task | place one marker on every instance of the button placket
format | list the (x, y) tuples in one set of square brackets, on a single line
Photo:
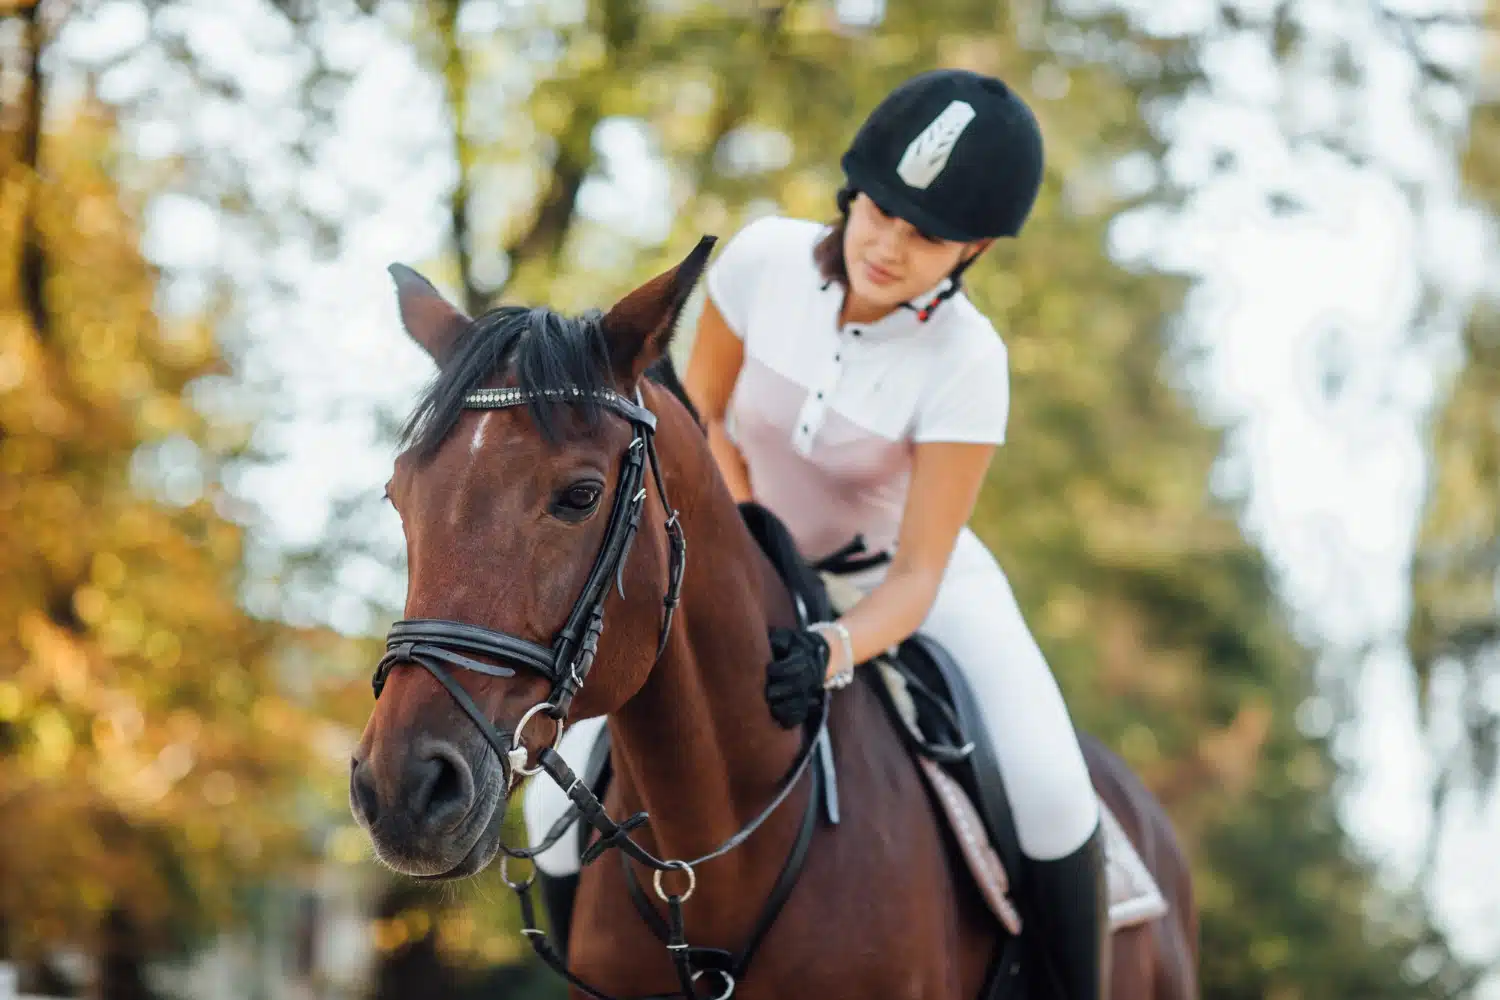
[(815, 408)]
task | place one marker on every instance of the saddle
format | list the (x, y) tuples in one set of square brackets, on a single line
[(932, 707)]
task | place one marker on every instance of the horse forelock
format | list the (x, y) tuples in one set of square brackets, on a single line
[(535, 349)]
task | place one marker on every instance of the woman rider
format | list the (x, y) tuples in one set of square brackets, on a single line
[(850, 387)]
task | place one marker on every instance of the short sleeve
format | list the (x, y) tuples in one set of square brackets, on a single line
[(735, 276), (969, 400)]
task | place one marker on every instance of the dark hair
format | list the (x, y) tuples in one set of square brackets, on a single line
[(828, 254)]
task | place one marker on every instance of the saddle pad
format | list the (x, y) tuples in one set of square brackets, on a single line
[(1134, 897), (974, 843)]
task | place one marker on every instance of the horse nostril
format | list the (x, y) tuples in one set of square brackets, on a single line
[(442, 786), (362, 792)]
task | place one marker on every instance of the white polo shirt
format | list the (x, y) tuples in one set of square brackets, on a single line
[(826, 415)]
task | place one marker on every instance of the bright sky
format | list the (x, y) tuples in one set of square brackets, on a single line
[(1304, 320)]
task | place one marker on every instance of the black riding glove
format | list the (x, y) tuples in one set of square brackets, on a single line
[(794, 677)]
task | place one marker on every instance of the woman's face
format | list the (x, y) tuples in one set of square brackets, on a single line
[(890, 261)]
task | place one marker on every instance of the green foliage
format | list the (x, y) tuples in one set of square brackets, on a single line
[(149, 756), (1456, 617)]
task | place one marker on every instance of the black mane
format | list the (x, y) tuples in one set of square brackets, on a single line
[(541, 348), (664, 373), (544, 350)]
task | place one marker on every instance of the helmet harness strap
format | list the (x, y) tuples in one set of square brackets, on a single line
[(955, 285)]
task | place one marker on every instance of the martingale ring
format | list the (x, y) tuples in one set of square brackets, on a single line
[(505, 874), (518, 751), (728, 982), (681, 866)]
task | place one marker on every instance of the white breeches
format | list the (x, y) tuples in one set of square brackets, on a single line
[(545, 801), (977, 620)]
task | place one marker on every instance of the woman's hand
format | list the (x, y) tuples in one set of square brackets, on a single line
[(795, 675), (945, 483)]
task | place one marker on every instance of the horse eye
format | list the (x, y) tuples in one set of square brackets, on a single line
[(580, 498)]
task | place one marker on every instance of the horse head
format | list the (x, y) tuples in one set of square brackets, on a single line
[(532, 501)]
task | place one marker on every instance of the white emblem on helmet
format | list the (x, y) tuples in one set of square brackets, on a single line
[(928, 153)]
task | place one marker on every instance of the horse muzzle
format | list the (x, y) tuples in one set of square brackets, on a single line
[(434, 810)]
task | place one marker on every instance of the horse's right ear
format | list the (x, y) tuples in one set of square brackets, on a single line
[(430, 319), (639, 327)]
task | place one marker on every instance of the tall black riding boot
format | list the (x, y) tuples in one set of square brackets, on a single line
[(1071, 909), (558, 893)]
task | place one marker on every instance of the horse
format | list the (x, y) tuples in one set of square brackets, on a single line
[(536, 487)]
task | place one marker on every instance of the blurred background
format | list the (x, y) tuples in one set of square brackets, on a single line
[(1250, 502)]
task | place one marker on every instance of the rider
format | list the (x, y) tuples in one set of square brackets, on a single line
[(850, 386)]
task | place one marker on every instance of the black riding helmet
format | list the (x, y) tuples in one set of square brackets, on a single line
[(955, 153)]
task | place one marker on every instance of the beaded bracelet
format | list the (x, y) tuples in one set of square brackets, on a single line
[(845, 673)]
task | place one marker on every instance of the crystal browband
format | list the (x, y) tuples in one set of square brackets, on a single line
[(494, 399), (499, 399)]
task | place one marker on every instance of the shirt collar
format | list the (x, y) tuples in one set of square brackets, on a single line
[(899, 322)]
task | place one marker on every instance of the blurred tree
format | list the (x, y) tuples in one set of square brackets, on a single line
[(121, 973), (1454, 631), (1456, 621), (224, 123), (432, 941), (150, 754)]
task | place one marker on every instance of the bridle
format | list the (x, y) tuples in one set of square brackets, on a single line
[(433, 643), (437, 645)]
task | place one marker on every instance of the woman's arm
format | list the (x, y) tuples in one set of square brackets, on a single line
[(712, 370), (945, 481)]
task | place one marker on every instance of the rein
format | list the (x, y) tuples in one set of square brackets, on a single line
[(438, 646)]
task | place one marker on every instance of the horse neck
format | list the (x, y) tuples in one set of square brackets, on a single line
[(696, 746)]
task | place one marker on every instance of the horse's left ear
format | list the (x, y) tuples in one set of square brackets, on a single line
[(640, 326), (431, 320)]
